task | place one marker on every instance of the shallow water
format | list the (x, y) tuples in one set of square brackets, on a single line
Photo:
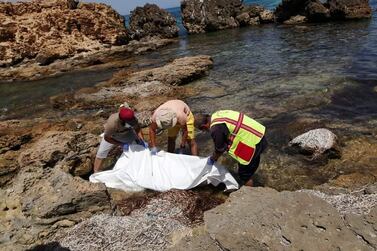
[(278, 74)]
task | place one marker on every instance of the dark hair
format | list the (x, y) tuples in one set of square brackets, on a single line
[(201, 119)]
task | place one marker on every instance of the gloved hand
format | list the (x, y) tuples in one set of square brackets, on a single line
[(210, 161), (126, 147), (154, 150), (143, 143)]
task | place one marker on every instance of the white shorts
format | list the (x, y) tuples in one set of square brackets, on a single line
[(104, 149)]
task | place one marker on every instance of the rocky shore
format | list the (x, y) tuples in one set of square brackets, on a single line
[(47, 202)]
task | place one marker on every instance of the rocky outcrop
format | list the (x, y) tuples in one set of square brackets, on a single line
[(73, 152), (317, 11), (281, 221), (200, 16), (155, 86), (350, 9), (46, 31), (316, 142), (43, 200), (254, 15), (151, 20)]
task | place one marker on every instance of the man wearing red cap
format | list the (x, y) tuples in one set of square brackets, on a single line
[(121, 129)]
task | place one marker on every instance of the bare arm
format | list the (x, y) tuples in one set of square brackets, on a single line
[(184, 136), (216, 155), (112, 141), (152, 134)]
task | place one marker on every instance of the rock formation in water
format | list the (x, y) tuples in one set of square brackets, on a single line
[(316, 142), (254, 15), (200, 16), (317, 11), (48, 30), (151, 20)]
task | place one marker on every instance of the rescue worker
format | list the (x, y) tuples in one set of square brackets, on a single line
[(242, 137), (174, 115), (121, 129)]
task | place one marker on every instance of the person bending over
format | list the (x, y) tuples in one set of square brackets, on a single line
[(174, 115), (240, 136), (121, 129)]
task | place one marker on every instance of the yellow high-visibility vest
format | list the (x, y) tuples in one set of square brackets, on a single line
[(245, 134)]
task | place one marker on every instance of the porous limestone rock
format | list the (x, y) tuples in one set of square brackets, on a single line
[(350, 9), (201, 16), (151, 20), (253, 15), (318, 11), (315, 142), (264, 219), (296, 20), (155, 85), (49, 30), (73, 152)]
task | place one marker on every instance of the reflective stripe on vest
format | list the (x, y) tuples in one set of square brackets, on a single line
[(244, 135)]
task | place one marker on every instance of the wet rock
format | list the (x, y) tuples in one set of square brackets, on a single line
[(13, 142), (296, 20), (254, 15), (56, 29), (73, 152), (350, 9), (317, 12), (279, 221), (315, 142), (201, 16), (155, 85), (151, 20)]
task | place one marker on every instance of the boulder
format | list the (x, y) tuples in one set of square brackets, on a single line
[(264, 219), (254, 15), (55, 29), (350, 9), (151, 20), (57, 194), (317, 12), (315, 142), (73, 152), (296, 20), (201, 16)]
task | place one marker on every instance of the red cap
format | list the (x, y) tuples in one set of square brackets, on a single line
[(126, 114)]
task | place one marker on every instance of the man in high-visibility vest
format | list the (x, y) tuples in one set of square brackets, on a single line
[(239, 135)]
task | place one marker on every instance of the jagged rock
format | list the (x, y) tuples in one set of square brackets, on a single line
[(350, 9), (254, 15), (151, 20), (58, 194), (73, 152), (264, 219), (315, 142), (296, 20), (201, 16), (56, 29), (266, 16), (317, 12)]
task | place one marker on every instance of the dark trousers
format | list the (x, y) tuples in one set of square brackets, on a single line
[(246, 171)]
